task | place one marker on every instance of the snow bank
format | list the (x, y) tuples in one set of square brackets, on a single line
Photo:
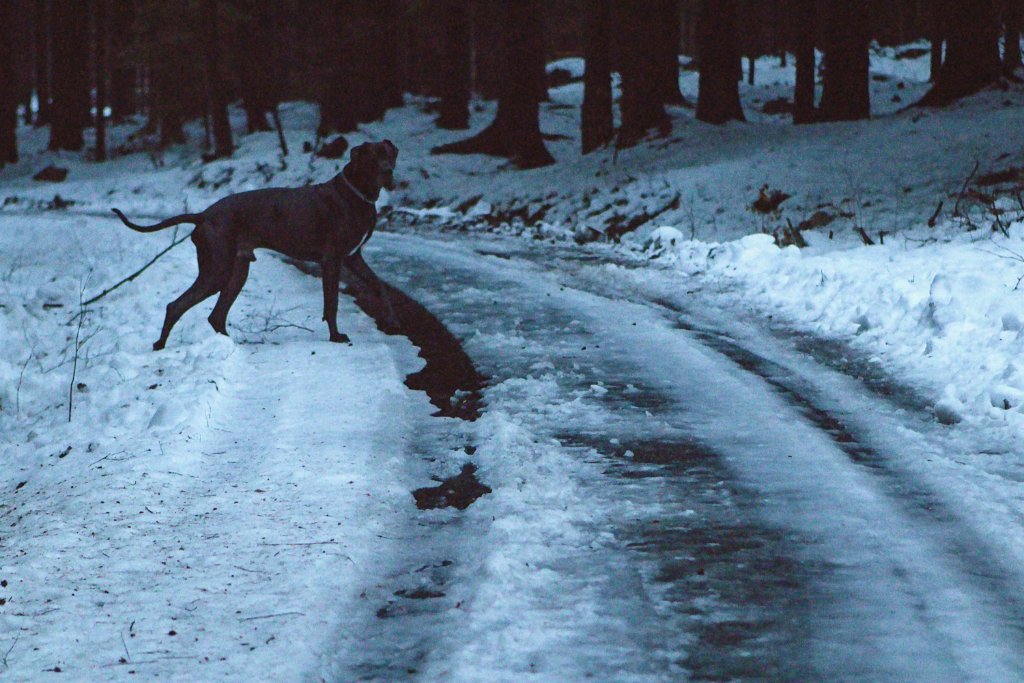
[(945, 315)]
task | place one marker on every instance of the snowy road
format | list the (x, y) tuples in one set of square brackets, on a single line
[(676, 494), (751, 513)]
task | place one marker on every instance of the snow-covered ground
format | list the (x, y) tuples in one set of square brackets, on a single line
[(182, 519)]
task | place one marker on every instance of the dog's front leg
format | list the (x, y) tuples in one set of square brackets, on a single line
[(330, 272)]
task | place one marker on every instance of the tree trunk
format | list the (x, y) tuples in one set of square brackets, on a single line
[(805, 21), (42, 62), (718, 98), (972, 51), (70, 85), (8, 98), (102, 58), (515, 131), (666, 42), (641, 106), (122, 71), (597, 125), (1011, 50), (166, 112), (258, 65), (454, 114), (223, 145), (846, 95)]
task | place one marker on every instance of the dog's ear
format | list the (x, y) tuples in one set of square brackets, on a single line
[(391, 148)]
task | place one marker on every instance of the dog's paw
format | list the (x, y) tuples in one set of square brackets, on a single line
[(339, 338), (158, 345)]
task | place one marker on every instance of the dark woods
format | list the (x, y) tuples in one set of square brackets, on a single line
[(74, 65)]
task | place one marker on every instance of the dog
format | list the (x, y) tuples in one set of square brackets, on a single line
[(328, 223)]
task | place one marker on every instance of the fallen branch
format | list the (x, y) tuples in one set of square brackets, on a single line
[(78, 336), (134, 275), (271, 616)]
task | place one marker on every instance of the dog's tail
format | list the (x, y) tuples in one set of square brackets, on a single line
[(177, 220)]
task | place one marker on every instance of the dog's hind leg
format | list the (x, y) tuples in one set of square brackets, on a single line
[(201, 289), (204, 287), (239, 274)]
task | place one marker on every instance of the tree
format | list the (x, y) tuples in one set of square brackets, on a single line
[(8, 96), (597, 124), (936, 36), (972, 51), (257, 63), (665, 42), (100, 51), (42, 61), (1012, 22), (845, 95), (805, 21), (455, 85), (515, 131), (718, 98), (69, 112), (122, 69), (642, 103), (223, 145), (364, 76)]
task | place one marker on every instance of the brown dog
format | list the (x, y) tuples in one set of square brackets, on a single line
[(326, 223)]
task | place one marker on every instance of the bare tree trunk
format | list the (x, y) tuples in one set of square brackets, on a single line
[(642, 103), (101, 50), (1011, 49), (972, 52), (8, 97), (666, 42), (454, 114), (42, 61), (223, 145), (597, 124), (122, 72), (805, 20), (70, 92), (718, 98), (846, 95), (515, 132)]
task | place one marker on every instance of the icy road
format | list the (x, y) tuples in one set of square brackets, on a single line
[(676, 493)]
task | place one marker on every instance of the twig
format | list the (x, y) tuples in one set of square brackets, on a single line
[(270, 616), (280, 131), (136, 273), (963, 190), (127, 655), (10, 649), (935, 216), (310, 543), (78, 336)]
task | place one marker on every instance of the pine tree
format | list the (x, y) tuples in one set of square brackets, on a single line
[(42, 61), (69, 110), (803, 98), (1012, 15), (845, 95), (8, 98), (972, 50), (597, 124), (100, 17), (718, 98), (455, 85), (642, 103), (515, 131), (223, 144)]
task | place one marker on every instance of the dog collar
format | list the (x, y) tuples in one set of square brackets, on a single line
[(356, 190)]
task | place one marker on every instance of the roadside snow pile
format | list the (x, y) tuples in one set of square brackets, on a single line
[(947, 316)]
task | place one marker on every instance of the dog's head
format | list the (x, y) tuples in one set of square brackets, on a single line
[(375, 162)]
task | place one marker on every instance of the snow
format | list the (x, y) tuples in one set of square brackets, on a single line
[(252, 495)]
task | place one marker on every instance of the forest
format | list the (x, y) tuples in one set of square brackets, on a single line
[(73, 65)]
